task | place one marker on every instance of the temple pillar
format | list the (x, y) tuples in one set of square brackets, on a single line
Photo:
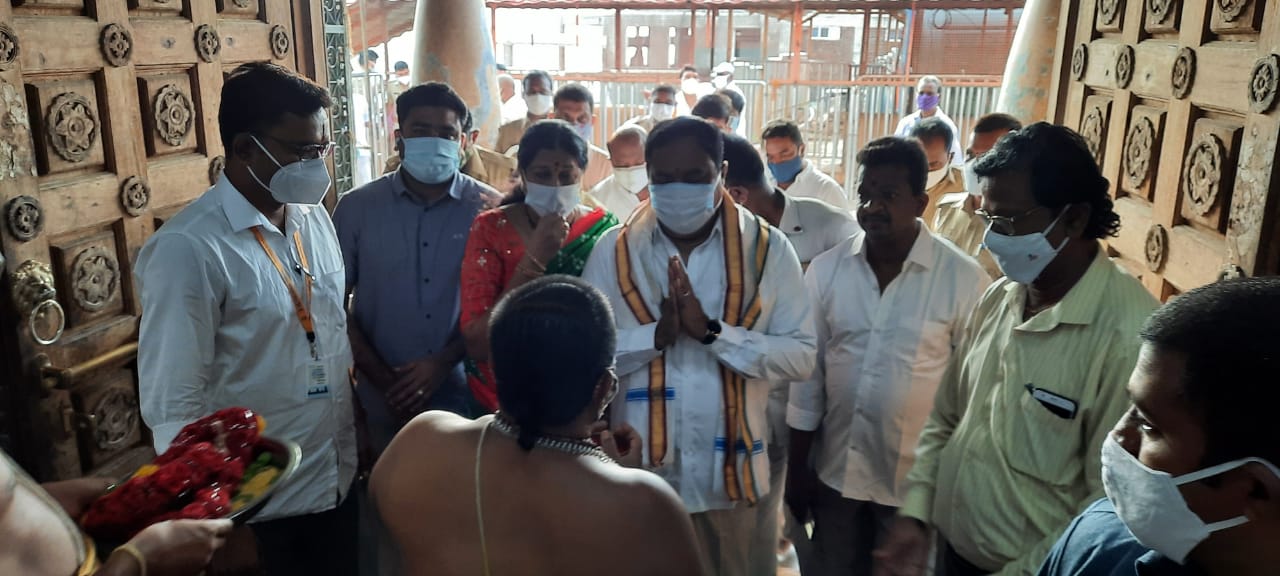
[(453, 45), (1029, 73)]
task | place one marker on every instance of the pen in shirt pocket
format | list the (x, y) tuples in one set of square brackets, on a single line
[(1057, 405)]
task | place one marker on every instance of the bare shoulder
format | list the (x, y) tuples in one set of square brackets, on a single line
[(428, 433), (658, 521)]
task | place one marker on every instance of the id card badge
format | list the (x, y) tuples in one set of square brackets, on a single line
[(317, 381)]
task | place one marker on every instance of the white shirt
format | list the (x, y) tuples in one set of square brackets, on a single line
[(814, 226), (779, 349), (514, 109), (813, 183), (615, 198), (909, 122), (219, 330), (880, 360), (683, 108)]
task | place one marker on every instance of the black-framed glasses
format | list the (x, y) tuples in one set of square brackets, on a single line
[(305, 152), (1006, 225)]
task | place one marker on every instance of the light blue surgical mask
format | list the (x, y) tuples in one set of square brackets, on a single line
[(545, 199), (786, 172), (585, 131), (1023, 258), (684, 207), (431, 160)]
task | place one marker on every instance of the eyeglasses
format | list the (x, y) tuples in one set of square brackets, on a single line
[(306, 152), (1006, 225)]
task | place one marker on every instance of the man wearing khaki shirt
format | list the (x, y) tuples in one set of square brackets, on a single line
[(944, 177), (1009, 455), (956, 219)]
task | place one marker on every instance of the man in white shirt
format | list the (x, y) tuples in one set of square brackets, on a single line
[(662, 106), (512, 108), (704, 296), (692, 88), (628, 186), (784, 149), (928, 98), (242, 305), (890, 306), (813, 227)]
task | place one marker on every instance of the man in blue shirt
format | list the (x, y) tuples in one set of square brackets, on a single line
[(1190, 471)]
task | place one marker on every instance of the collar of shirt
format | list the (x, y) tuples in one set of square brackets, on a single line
[(402, 189), (243, 216), (1156, 564), (661, 238), (921, 252), (790, 223), (1079, 305), (957, 199)]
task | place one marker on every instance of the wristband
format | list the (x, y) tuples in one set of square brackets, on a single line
[(131, 550)]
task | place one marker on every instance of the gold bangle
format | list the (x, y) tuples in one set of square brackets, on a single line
[(131, 550)]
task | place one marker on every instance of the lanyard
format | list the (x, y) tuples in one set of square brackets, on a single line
[(304, 315)]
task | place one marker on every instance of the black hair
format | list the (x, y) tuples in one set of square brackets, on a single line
[(468, 123), (1062, 172), (551, 341), (400, 65), (745, 166), (546, 79), (689, 68), (256, 96), (436, 94), (574, 93), (735, 99), (898, 151), (712, 107), (368, 55), (1229, 335), (933, 129), (783, 129), (667, 88), (709, 138), (501, 67), (996, 121)]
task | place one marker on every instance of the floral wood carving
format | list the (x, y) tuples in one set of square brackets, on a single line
[(1109, 10), (1160, 10), (1202, 173), (1184, 73), (279, 42), (1137, 151), (174, 114), (241, 3), (25, 218), (116, 418), (117, 45), (1262, 84), (134, 196), (1157, 247), (207, 43), (15, 134), (1231, 9), (1091, 129), (216, 166), (95, 275), (72, 126), (9, 47), (1079, 61), (1124, 66)]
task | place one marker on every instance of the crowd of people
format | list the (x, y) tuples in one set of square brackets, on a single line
[(688, 354)]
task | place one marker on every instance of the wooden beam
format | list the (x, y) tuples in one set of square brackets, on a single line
[(866, 36), (731, 38), (712, 14), (796, 29), (618, 44)]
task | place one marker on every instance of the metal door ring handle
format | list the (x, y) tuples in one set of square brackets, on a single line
[(38, 312)]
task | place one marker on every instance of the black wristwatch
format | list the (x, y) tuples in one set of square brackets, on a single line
[(713, 332)]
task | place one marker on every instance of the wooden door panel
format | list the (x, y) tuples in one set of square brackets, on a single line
[(1168, 94), (108, 127)]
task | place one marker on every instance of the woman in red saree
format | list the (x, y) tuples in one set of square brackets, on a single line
[(544, 229)]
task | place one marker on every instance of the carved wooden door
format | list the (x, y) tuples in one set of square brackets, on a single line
[(1178, 100), (108, 125)]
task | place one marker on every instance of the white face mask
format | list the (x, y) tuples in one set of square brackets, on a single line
[(659, 111), (935, 176), (302, 182), (551, 199), (684, 207), (1150, 505), (690, 85), (720, 81), (538, 104), (632, 179), (1023, 258), (971, 184)]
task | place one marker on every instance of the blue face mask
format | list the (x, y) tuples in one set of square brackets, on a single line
[(584, 130), (684, 207), (734, 121), (786, 172), (431, 160)]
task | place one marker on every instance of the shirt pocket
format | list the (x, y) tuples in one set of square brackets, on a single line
[(1041, 444)]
